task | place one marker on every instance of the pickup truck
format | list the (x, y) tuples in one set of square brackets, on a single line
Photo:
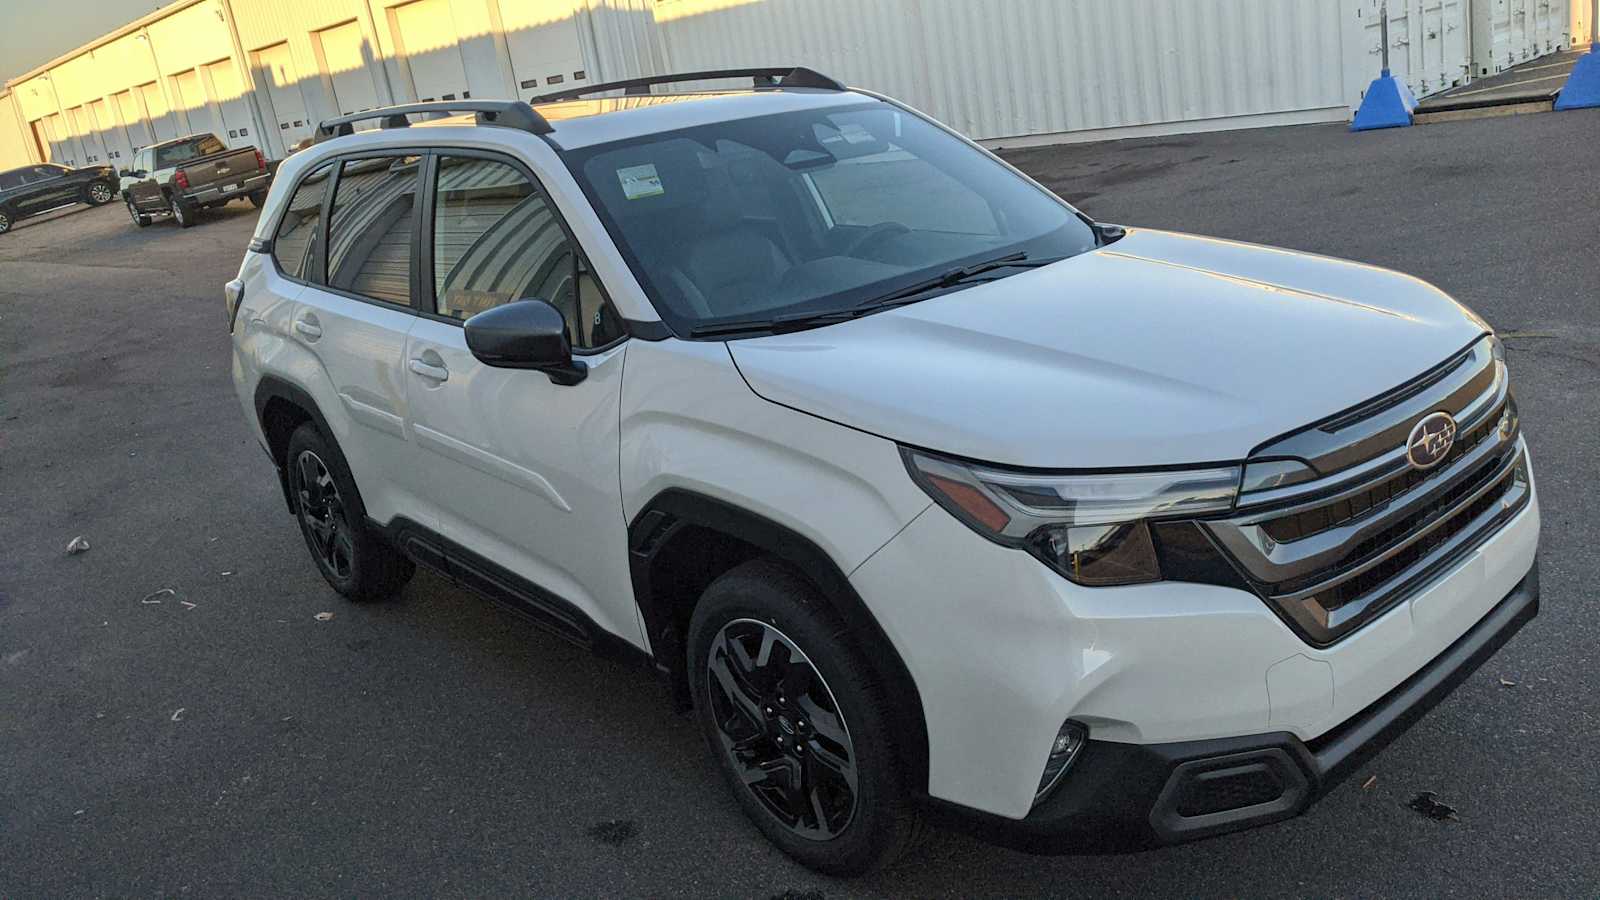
[(182, 176)]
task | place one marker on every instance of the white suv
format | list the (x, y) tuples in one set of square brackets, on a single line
[(930, 495)]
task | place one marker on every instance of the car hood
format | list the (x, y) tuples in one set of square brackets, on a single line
[(1158, 349)]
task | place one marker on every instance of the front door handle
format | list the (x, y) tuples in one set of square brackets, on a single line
[(310, 329), (432, 372)]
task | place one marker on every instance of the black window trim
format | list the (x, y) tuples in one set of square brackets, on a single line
[(423, 302), (426, 292), (318, 256), (423, 163)]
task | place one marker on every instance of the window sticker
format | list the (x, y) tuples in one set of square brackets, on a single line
[(639, 182)]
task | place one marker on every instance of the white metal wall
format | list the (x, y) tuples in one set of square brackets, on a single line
[(1001, 68), (1506, 33), (266, 71)]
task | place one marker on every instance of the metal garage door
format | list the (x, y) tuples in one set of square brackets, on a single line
[(163, 124), (346, 66), (62, 148), (425, 38), (133, 120), (545, 54), (191, 98), (228, 89), (290, 124), (112, 134), (83, 127)]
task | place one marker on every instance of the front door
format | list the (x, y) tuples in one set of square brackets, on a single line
[(141, 186), (518, 470)]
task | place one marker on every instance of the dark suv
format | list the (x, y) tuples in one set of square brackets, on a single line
[(31, 190)]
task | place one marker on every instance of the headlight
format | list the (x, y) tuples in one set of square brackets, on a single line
[(1090, 528)]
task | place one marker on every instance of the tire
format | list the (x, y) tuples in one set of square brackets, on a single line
[(830, 825), (355, 560), (258, 199), (5, 220), (140, 219), (182, 213), (98, 193)]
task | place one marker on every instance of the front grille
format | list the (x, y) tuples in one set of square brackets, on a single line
[(1372, 579), (1373, 500), (1333, 553)]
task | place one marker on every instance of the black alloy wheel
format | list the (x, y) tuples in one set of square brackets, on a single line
[(781, 728), (322, 513)]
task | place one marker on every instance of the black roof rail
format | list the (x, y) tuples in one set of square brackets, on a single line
[(505, 113), (785, 76)]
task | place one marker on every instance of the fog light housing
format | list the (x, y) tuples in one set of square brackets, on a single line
[(1069, 742)]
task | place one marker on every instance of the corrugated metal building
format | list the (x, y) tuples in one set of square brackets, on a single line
[(1010, 71)]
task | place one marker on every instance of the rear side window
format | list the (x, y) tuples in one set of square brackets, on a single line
[(300, 232), (9, 180), (496, 240), (370, 231)]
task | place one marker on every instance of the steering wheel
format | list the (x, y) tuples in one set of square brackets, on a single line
[(875, 234)]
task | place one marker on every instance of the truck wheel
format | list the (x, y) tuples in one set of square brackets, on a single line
[(258, 199), (354, 560), (139, 218), (182, 213), (98, 193), (796, 722)]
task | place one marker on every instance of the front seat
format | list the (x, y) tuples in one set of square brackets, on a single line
[(730, 267)]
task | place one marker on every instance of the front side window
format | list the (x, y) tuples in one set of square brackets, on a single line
[(811, 212), (300, 232), (180, 153), (496, 240), (9, 180), (371, 226)]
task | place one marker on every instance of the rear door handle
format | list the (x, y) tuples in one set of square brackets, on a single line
[(435, 373), (310, 330)]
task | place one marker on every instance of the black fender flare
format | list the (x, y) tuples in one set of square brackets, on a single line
[(270, 388), (676, 508)]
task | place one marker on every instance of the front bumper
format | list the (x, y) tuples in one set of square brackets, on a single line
[(1123, 797), (1003, 650)]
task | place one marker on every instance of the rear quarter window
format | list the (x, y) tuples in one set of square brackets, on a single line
[(299, 233)]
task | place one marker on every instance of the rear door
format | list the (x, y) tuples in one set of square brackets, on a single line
[(519, 471), (46, 187), (356, 310)]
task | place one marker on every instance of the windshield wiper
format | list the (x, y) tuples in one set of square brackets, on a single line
[(956, 277), (777, 324), (949, 279)]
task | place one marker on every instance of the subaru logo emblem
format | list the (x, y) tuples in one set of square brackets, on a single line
[(1431, 440)]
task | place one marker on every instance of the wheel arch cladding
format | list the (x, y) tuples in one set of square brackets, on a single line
[(681, 541), (281, 408)]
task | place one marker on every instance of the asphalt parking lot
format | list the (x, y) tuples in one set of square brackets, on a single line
[(224, 741)]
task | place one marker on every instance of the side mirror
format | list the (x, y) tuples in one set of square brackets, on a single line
[(131, 173), (1108, 233), (527, 334)]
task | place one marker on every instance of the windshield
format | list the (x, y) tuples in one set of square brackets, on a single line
[(178, 154), (810, 212)]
